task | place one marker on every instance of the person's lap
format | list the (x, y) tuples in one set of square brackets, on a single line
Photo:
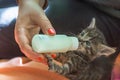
[(66, 17), (21, 68)]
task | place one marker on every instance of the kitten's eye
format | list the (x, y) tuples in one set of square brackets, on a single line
[(82, 33), (87, 43)]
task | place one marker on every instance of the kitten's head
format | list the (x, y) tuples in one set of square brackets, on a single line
[(92, 33), (92, 41)]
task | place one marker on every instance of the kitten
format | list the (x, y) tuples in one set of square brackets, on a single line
[(89, 61)]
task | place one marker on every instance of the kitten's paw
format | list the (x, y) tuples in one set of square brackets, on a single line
[(54, 67), (50, 62), (51, 65)]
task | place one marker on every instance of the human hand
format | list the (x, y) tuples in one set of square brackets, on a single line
[(31, 19)]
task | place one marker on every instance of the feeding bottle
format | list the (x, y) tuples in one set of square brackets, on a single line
[(58, 43)]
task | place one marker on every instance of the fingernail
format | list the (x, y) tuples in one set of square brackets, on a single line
[(40, 59), (53, 55), (51, 31)]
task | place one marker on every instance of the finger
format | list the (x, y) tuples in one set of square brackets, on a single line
[(21, 37), (27, 50), (41, 19)]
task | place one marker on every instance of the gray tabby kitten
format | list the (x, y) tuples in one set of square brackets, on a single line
[(90, 61)]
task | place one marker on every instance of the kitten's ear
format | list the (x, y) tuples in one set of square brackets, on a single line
[(92, 24), (105, 50)]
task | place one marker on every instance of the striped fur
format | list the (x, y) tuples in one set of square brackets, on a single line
[(81, 63)]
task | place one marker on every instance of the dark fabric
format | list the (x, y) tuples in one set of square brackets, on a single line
[(109, 3), (66, 16), (111, 7), (7, 3), (8, 46), (74, 15)]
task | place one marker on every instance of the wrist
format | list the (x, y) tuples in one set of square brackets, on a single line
[(42, 3)]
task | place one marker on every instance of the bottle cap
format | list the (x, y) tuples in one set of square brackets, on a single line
[(75, 43)]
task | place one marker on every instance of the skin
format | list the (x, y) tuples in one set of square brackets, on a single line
[(30, 21), (21, 69), (24, 69), (116, 69)]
